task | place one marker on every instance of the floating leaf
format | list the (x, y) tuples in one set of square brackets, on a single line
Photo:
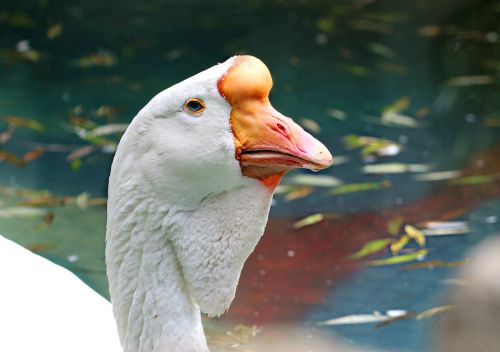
[(337, 114), (475, 180), (375, 317), (359, 187), (340, 159), (356, 319), (443, 228), (44, 201), (435, 30), (326, 24), (381, 50), (398, 245), (80, 152), (313, 180), (393, 319), (102, 58), (106, 111), (394, 168), (299, 192), (5, 136), (79, 121), (281, 189), (21, 212), (371, 145), (11, 158), (309, 220), (75, 164), (397, 106), (456, 282), (23, 122), (47, 220), (438, 176), (41, 247), (356, 70), (82, 200), (418, 255), (383, 149), (107, 130), (310, 125), (415, 234), (371, 247), (32, 154), (433, 311), (492, 122), (396, 119), (464, 81), (435, 264), (54, 31), (370, 26), (394, 225), (423, 111)]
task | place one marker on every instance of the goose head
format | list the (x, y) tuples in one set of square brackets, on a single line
[(214, 132), (189, 195)]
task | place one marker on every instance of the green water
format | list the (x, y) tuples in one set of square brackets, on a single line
[(356, 57)]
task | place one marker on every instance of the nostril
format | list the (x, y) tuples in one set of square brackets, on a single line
[(282, 129)]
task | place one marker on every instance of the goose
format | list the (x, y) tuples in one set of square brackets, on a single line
[(189, 194)]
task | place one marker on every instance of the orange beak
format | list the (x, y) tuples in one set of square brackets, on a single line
[(267, 143)]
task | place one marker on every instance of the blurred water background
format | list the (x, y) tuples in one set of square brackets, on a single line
[(405, 94)]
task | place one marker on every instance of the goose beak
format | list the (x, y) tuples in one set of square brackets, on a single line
[(267, 143)]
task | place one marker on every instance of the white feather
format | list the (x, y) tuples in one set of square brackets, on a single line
[(44, 307)]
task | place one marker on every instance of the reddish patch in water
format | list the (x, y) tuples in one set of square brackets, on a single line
[(292, 271)]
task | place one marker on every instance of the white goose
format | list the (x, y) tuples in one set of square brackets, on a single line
[(189, 195)]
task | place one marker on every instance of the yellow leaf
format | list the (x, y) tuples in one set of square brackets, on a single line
[(371, 247), (359, 187), (311, 125), (75, 164), (399, 258), (23, 122), (475, 180), (325, 24), (433, 311), (398, 245), (54, 31), (394, 224), (299, 192), (309, 220), (397, 106), (313, 180), (415, 234), (393, 118), (11, 158)]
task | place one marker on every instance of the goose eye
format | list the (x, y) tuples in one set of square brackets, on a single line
[(194, 106)]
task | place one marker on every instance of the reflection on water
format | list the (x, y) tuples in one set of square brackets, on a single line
[(404, 95)]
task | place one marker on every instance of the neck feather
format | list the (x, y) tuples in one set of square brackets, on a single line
[(163, 263)]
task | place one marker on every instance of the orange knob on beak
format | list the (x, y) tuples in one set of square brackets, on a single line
[(267, 143)]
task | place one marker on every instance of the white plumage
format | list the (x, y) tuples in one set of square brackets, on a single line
[(46, 308)]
